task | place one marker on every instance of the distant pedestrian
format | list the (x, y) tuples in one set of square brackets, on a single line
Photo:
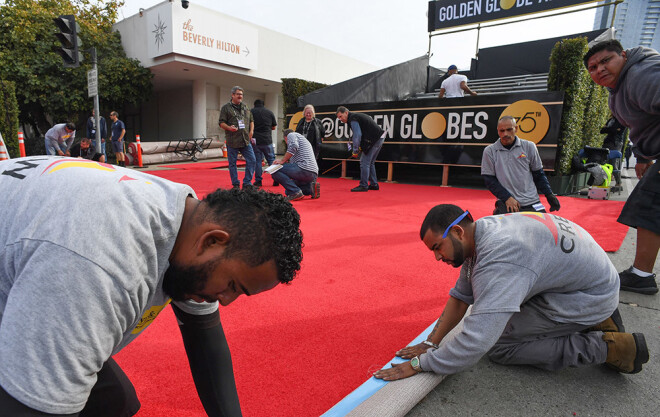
[(312, 128), (455, 85), (628, 153), (236, 120), (368, 139), (91, 130), (59, 139), (118, 133), (262, 141), (299, 170), (84, 149)]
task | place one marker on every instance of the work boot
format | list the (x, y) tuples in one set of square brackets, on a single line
[(613, 323), (630, 281), (626, 352)]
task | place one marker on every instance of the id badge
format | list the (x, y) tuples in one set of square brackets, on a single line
[(538, 206), (241, 124)]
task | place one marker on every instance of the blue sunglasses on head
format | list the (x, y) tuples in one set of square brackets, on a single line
[(457, 221)]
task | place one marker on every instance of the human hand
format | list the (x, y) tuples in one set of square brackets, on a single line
[(253, 141), (397, 371), (412, 351), (234, 128), (641, 168), (277, 162), (512, 205), (553, 201), (60, 153)]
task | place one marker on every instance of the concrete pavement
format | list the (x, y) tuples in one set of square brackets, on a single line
[(489, 389)]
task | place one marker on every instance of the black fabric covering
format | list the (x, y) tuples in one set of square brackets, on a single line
[(394, 83), (521, 58)]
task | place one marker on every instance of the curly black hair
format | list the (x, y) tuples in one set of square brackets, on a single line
[(262, 226)]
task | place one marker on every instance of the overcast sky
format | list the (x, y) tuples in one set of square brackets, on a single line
[(380, 32)]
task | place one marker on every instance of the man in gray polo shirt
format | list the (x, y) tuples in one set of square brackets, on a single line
[(513, 172), (299, 169)]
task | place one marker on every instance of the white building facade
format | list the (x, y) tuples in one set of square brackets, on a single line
[(197, 55)]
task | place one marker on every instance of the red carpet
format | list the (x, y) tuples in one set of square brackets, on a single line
[(367, 287), (203, 165)]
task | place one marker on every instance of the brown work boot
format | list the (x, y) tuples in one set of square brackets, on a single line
[(613, 323), (626, 352)]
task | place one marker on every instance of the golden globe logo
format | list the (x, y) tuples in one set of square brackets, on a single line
[(532, 119)]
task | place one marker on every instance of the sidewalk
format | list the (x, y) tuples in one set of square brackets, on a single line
[(489, 389)]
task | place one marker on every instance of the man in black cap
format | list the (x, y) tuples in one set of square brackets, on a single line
[(455, 85)]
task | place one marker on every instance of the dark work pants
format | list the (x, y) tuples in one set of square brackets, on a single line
[(113, 395)]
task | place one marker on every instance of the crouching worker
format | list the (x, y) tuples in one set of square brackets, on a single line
[(543, 293), (299, 168), (84, 149), (72, 297)]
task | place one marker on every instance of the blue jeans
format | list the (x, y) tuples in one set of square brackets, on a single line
[(232, 156), (51, 150), (295, 179), (368, 164), (259, 152)]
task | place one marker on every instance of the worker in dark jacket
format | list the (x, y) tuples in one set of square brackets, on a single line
[(368, 139)]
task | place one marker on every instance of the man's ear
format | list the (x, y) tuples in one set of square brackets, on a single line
[(460, 232), (213, 239)]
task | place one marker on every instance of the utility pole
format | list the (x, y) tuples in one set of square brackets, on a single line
[(93, 91)]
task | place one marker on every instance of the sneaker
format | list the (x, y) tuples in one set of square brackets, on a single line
[(632, 282), (359, 189), (613, 323), (626, 352), (295, 197), (374, 187), (258, 184), (316, 190)]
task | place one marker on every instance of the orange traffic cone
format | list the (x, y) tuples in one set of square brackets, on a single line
[(21, 144), (139, 150), (4, 154), (224, 150)]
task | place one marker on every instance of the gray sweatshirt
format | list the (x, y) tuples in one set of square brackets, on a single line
[(635, 101)]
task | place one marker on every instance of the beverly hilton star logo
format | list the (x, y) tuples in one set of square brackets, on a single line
[(159, 32)]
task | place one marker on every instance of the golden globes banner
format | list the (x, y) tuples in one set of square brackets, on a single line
[(445, 14), (451, 131)]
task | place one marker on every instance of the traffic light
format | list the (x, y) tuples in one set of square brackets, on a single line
[(68, 37)]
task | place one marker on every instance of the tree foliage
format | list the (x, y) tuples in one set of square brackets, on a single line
[(292, 88), (48, 93), (9, 117)]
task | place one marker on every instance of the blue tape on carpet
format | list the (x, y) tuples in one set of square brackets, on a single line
[(371, 386)]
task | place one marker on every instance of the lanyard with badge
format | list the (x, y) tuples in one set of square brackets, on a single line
[(241, 123)]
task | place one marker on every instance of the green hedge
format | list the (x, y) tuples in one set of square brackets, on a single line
[(9, 117), (596, 113), (567, 73), (292, 88)]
